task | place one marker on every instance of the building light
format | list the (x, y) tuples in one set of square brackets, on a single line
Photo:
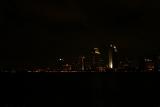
[(115, 50), (60, 59), (147, 60), (97, 51), (29, 71), (111, 65), (111, 45)]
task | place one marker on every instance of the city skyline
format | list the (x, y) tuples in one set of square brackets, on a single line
[(43, 30)]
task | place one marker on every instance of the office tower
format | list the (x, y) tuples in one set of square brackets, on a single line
[(97, 61), (96, 57), (112, 54), (110, 57)]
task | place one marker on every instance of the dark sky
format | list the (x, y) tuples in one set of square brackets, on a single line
[(35, 30)]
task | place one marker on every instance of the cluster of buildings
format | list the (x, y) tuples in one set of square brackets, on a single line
[(101, 60), (109, 59), (97, 60)]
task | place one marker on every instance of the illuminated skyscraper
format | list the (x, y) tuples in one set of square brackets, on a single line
[(96, 58), (112, 56)]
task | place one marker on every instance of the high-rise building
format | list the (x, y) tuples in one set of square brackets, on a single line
[(149, 64), (97, 57), (97, 61), (112, 56)]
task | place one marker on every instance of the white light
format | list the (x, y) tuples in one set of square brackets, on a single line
[(111, 45), (111, 65), (60, 59), (115, 50), (97, 51), (29, 71), (147, 60)]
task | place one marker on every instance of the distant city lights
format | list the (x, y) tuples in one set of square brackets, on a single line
[(98, 60)]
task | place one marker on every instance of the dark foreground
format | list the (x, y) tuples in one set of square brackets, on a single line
[(77, 90)]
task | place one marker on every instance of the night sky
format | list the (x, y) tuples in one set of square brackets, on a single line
[(41, 30)]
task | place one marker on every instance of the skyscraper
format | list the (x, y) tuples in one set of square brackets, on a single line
[(112, 56), (96, 58)]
